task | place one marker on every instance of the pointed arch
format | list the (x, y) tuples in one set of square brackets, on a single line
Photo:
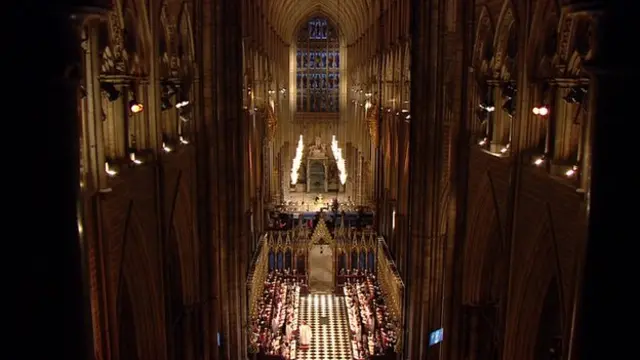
[(143, 286), (531, 287), (543, 42), (506, 20), (140, 19), (483, 243), (185, 30), (484, 33)]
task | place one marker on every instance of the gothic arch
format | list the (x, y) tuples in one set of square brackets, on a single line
[(175, 293), (127, 344), (483, 228), (312, 14), (503, 29), (139, 276), (549, 337), (528, 295), (185, 32), (543, 42), (484, 34), (164, 47), (135, 18)]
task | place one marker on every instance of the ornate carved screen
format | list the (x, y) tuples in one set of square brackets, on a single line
[(318, 67), (257, 275), (391, 285)]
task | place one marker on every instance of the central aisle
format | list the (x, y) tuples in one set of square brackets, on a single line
[(327, 316)]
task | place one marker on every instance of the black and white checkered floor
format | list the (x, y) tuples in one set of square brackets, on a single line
[(327, 316)]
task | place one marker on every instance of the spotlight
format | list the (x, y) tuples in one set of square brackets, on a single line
[(165, 103), (575, 95), (509, 90), (110, 169), (509, 107), (539, 160), (541, 110), (166, 147), (483, 142), (112, 93), (183, 140), (135, 106), (571, 172), (487, 107), (134, 159), (505, 149), (183, 101)]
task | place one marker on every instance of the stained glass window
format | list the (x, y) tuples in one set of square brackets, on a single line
[(318, 67)]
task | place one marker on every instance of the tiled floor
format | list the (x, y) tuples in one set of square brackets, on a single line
[(327, 316)]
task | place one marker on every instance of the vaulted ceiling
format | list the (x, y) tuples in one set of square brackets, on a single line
[(351, 16)]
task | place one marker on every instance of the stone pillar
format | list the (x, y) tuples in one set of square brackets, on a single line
[(43, 173), (425, 249), (609, 268)]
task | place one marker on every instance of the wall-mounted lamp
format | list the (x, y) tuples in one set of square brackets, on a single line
[(166, 147), (571, 172), (540, 160), (483, 142), (135, 106), (505, 149), (542, 110), (183, 100), (134, 159), (393, 220), (183, 141), (110, 169), (487, 107)]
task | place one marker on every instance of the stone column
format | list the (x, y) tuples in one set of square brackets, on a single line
[(425, 242), (609, 268), (43, 175)]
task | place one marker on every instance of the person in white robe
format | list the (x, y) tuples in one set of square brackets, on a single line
[(305, 335), (289, 330)]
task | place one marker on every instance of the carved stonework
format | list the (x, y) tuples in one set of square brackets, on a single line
[(372, 121), (272, 123), (117, 55), (483, 33), (564, 45), (503, 38)]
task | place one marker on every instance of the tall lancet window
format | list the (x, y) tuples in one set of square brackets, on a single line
[(318, 67)]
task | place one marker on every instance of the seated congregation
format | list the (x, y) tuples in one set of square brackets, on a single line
[(372, 328), (278, 333)]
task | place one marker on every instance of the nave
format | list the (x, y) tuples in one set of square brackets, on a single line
[(327, 316)]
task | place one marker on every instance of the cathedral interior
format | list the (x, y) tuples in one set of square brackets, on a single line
[(435, 179)]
